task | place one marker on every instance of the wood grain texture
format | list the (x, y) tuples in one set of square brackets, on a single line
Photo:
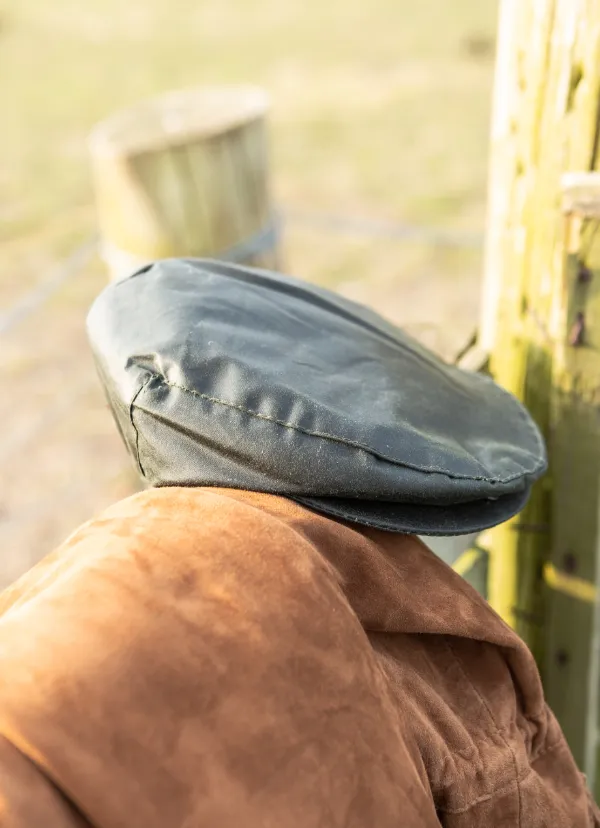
[(545, 124), (573, 621), (186, 174)]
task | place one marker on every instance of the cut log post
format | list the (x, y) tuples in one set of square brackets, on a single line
[(186, 174), (572, 574), (545, 123)]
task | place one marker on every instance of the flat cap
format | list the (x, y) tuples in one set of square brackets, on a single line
[(229, 376)]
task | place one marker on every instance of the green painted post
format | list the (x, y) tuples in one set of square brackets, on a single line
[(572, 573), (545, 124)]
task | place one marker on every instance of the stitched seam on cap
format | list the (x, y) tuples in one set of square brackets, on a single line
[(133, 425), (524, 416), (343, 441)]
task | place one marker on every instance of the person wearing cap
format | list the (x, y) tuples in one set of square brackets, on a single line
[(259, 639)]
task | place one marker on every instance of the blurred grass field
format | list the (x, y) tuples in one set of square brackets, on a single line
[(380, 110)]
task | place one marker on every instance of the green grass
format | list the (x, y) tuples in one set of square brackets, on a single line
[(379, 107)]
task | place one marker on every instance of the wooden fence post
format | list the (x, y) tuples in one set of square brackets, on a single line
[(546, 123), (185, 174), (572, 573)]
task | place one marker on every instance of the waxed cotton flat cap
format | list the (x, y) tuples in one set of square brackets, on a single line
[(228, 376)]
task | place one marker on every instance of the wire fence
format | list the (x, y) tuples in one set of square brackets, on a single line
[(23, 437), (30, 301), (333, 223), (79, 258), (329, 223)]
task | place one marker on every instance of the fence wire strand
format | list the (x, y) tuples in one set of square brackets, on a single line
[(82, 255), (385, 230), (48, 286), (324, 222)]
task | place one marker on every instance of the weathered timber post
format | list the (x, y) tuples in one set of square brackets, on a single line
[(185, 174), (545, 123), (572, 573)]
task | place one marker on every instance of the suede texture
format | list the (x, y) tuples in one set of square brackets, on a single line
[(214, 658)]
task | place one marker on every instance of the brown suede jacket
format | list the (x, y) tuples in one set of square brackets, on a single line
[(218, 659)]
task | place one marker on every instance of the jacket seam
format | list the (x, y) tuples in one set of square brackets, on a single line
[(337, 439), (548, 749), (517, 779), (500, 791), (487, 797)]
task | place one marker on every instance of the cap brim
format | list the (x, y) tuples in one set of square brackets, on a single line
[(422, 519)]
